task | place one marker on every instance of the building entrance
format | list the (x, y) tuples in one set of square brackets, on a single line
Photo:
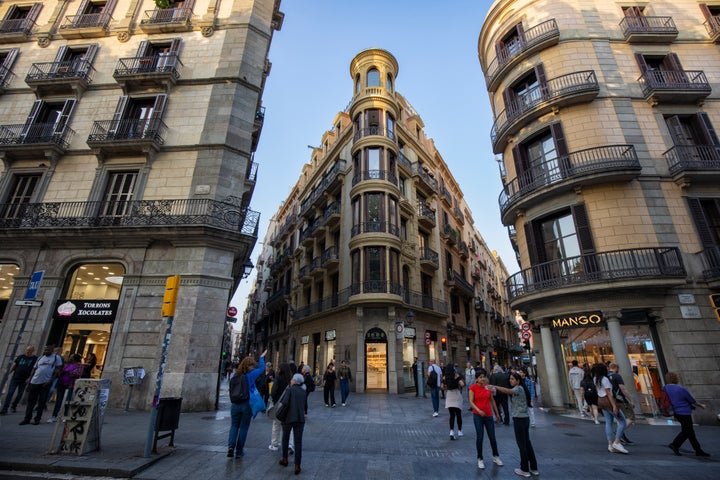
[(376, 359)]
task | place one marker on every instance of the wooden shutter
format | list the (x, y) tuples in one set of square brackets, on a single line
[(7, 64), (672, 62), (531, 240), (83, 8), (707, 129), (511, 108), (542, 80), (65, 114), (701, 223), (60, 56), (30, 120), (520, 32), (108, 8), (500, 52), (123, 102), (142, 49), (88, 59), (563, 156), (677, 133), (582, 227), (640, 59), (157, 113), (33, 13)]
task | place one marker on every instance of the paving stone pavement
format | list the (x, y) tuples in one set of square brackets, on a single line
[(376, 436)]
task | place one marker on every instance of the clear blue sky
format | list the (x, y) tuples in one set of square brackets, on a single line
[(435, 44)]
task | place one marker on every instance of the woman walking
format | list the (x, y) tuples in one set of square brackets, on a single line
[(294, 421), (610, 410), (482, 402), (683, 404), (519, 404), (451, 384), (240, 411), (282, 381), (329, 385), (590, 394)]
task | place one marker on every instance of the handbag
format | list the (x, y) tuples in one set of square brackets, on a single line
[(257, 404), (604, 403), (282, 406)]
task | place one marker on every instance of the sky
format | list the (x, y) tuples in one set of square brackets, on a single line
[(435, 44)]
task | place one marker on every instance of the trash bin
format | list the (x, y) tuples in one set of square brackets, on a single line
[(168, 418)]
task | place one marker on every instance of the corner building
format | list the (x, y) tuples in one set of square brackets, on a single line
[(604, 120), (127, 138), (374, 257)]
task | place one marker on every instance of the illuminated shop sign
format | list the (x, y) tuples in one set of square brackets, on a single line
[(330, 335), (580, 320), (305, 339), (88, 311)]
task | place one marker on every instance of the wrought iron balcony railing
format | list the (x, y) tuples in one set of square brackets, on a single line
[(692, 157), (429, 255), (641, 25), (128, 130), (710, 259), (425, 177), (459, 281), (426, 213), (154, 64), (673, 81), (59, 70), (36, 134), (166, 16), (86, 20), (381, 131), (713, 27), (386, 175), (590, 161), (19, 25), (375, 227), (557, 90), (327, 181), (139, 213), (616, 265)]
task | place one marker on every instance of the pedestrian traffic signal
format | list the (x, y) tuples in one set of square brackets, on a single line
[(715, 302)]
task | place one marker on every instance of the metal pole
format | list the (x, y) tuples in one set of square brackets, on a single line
[(421, 379), (15, 349), (158, 386)]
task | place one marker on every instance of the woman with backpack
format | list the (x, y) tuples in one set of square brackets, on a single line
[(590, 394), (240, 409), (452, 382)]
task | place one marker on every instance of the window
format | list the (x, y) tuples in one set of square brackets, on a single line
[(20, 18), (93, 14), (21, 194), (706, 216), (7, 59), (138, 118), (373, 78), (540, 160), (692, 130), (511, 44), (158, 56), (357, 83), (374, 269), (388, 82), (118, 194), (47, 121), (73, 61), (635, 16), (712, 16), (526, 93), (658, 70)]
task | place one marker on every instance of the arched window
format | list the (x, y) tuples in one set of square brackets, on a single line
[(373, 78)]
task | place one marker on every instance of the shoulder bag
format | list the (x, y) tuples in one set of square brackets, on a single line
[(282, 406)]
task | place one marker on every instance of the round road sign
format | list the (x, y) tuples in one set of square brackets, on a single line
[(427, 336), (525, 327), (232, 311), (428, 341), (526, 335)]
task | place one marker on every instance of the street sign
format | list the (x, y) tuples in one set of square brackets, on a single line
[(427, 336), (34, 285), (525, 327), (232, 311), (28, 303), (428, 341), (526, 335), (231, 319)]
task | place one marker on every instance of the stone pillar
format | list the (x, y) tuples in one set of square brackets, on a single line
[(551, 390), (617, 340)]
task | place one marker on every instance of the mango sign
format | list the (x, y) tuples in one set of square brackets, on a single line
[(581, 320)]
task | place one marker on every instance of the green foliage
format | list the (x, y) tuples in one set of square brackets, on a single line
[(164, 3)]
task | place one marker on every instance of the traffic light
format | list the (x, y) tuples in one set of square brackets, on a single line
[(527, 344), (715, 302), (443, 343), (172, 284)]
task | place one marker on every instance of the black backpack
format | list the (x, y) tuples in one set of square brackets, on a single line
[(432, 380), (239, 389), (309, 383)]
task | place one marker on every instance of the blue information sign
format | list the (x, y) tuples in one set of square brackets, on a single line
[(34, 285)]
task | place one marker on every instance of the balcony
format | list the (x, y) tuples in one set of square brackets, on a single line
[(154, 216), (257, 128), (648, 267), (710, 260), (88, 25), (424, 179), (59, 78), (674, 86), (330, 258), (331, 215), (426, 217), (331, 182), (459, 215), (713, 28), (463, 250), (457, 282), (316, 269), (127, 137), (449, 234), (374, 131), (694, 163), (563, 91), (304, 274), (35, 141), (166, 20), (16, 30), (534, 39), (375, 227), (641, 29), (138, 73), (370, 175), (612, 163), (5, 76), (429, 258), (278, 299)]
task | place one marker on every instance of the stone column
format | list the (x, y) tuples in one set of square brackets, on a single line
[(617, 340), (551, 390)]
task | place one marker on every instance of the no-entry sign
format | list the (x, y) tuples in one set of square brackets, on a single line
[(232, 311)]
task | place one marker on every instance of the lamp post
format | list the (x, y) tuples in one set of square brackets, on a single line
[(247, 268)]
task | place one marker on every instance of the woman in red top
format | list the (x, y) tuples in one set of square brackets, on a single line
[(482, 402)]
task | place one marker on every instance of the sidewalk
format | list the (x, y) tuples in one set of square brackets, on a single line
[(376, 436)]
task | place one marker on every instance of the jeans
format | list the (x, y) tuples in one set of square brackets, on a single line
[(435, 399), (240, 416), (485, 423), (37, 395), (297, 429), (608, 414), (12, 387), (521, 425), (686, 433), (344, 389)]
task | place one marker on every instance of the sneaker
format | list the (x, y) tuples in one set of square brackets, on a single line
[(618, 447), (522, 473), (343, 404), (626, 441), (333, 406), (274, 448), (534, 472), (610, 449), (231, 452), (481, 464), (52, 420), (452, 435), (460, 434), (327, 405), (498, 462), (597, 422), (435, 414)]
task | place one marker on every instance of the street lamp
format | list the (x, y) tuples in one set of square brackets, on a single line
[(247, 268), (409, 317)]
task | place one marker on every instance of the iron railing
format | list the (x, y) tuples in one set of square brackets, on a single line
[(36, 133), (227, 215), (576, 164), (616, 265), (375, 227), (73, 69), (642, 25), (165, 63), (5, 76), (427, 254), (710, 259), (368, 131), (460, 282), (692, 157), (319, 189), (330, 253), (167, 15), (426, 212), (386, 175), (18, 25), (128, 130), (86, 20), (672, 80), (712, 26)]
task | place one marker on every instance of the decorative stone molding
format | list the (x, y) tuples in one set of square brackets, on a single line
[(43, 42), (207, 30), (123, 36)]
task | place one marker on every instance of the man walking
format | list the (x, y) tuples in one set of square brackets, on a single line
[(21, 368), (46, 368), (469, 374), (414, 372), (622, 398), (433, 383), (576, 375), (500, 379)]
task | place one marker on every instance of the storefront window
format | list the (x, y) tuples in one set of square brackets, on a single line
[(7, 282)]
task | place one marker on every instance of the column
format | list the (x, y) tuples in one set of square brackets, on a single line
[(551, 390), (617, 340)]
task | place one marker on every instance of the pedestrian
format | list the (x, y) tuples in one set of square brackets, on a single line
[(482, 402), (575, 376), (414, 373), (294, 421), (329, 385), (500, 379), (530, 388), (264, 381), (469, 374), (433, 383), (309, 383), (90, 363), (20, 371), (590, 395), (442, 369), (72, 370), (345, 376), (241, 412), (53, 383), (683, 404), (623, 399), (610, 410), (520, 403), (282, 381), (452, 384), (38, 385)]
